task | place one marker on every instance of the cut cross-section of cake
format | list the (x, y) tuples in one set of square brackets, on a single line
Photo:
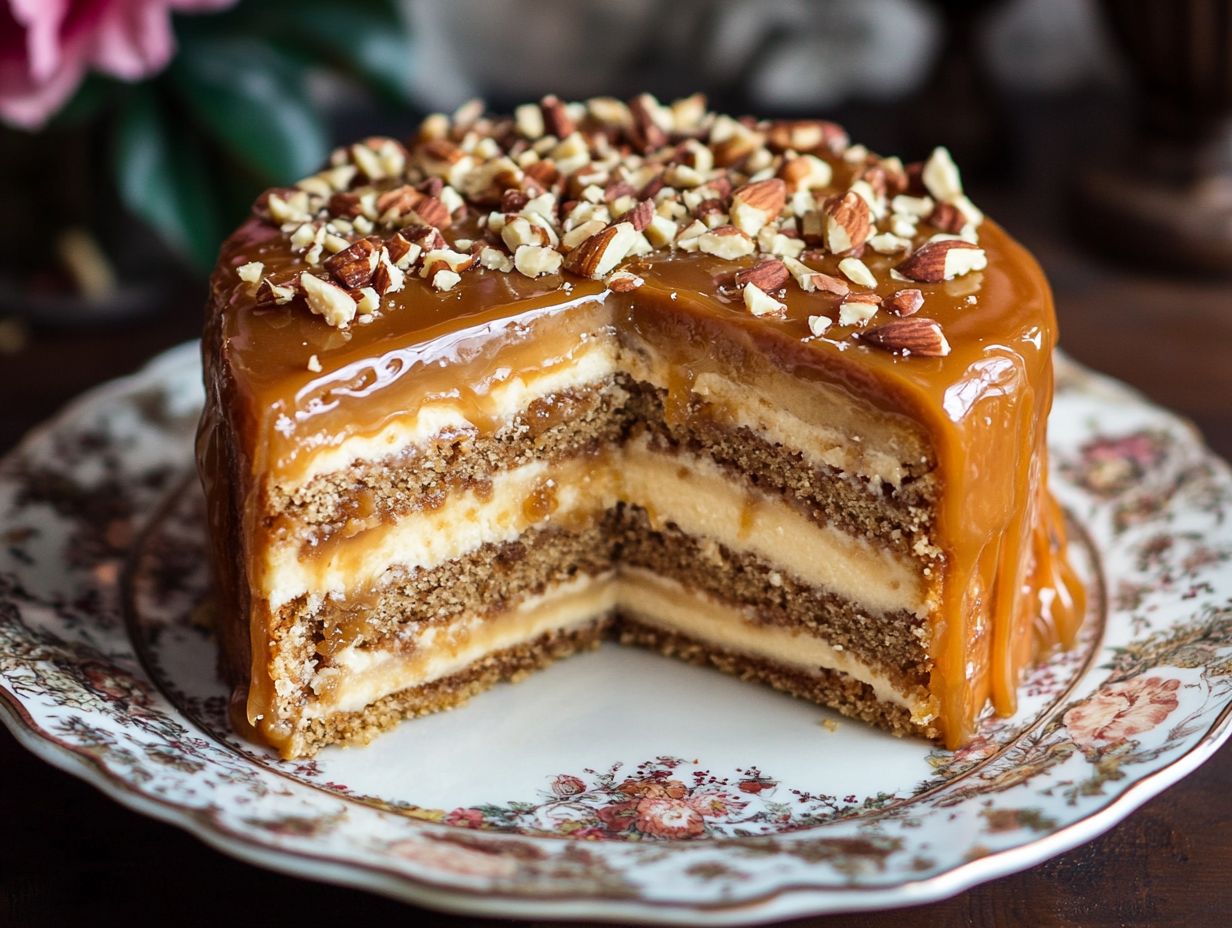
[(737, 391)]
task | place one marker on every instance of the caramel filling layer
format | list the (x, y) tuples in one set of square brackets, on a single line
[(358, 676), (687, 490), (774, 407)]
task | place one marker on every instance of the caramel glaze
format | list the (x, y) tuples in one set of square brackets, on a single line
[(1008, 596)]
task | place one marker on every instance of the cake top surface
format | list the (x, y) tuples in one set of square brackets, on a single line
[(826, 253)]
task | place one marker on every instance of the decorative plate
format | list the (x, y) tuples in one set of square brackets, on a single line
[(617, 784)]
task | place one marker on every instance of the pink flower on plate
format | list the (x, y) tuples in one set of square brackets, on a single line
[(716, 805), (565, 785), (1122, 710), (465, 818), (46, 47), (654, 787), (668, 818)]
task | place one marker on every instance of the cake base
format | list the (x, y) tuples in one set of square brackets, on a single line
[(830, 688), (508, 665)]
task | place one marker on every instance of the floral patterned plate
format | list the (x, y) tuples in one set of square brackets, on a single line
[(617, 784)]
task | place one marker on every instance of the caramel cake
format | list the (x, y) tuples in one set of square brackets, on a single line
[(738, 391)]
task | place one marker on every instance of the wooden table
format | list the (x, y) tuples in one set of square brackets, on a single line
[(70, 856)]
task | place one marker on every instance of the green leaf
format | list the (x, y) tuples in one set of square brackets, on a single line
[(370, 39), (254, 101), (86, 103), (163, 178)]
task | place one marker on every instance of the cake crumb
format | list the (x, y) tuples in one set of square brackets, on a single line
[(829, 725)]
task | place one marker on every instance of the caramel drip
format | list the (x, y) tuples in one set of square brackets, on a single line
[(1008, 594)]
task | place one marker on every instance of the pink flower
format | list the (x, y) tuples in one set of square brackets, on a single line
[(465, 818), (668, 818), (618, 816), (1122, 710), (46, 47), (756, 783), (565, 785), (655, 787), (713, 805)]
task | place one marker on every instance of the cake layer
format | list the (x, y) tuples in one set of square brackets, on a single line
[(487, 580), (815, 420), (503, 404), (830, 688), (510, 664), (690, 492), (560, 425), (496, 577), (894, 643), (358, 676), (585, 419)]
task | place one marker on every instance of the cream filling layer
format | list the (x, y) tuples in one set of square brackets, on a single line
[(856, 447), (499, 405), (691, 492), (357, 677)]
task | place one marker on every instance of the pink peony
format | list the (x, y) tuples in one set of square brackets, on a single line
[(46, 47), (1122, 710), (668, 818)]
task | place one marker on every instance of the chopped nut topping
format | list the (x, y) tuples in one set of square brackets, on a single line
[(580, 188), (886, 243), (767, 275), (445, 279), (916, 335), (942, 260), (725, 242), (495, 260), (857, 272), (623, 282), (353, 266), (940, 176), (327, 300), (857, 309), (536, 260), (599, 254), (846, 222), (818, 324), (753, 205), (810, 280), (314, 364), (760, 303), (556, 118), (278, 294), (367, 301), (905, 302)]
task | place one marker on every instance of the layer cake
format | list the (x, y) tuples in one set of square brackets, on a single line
[(736, 390)]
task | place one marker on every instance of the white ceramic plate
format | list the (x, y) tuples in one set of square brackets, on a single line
[(617, 784)]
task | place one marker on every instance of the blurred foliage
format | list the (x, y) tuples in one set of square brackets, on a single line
[(234, 112)]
